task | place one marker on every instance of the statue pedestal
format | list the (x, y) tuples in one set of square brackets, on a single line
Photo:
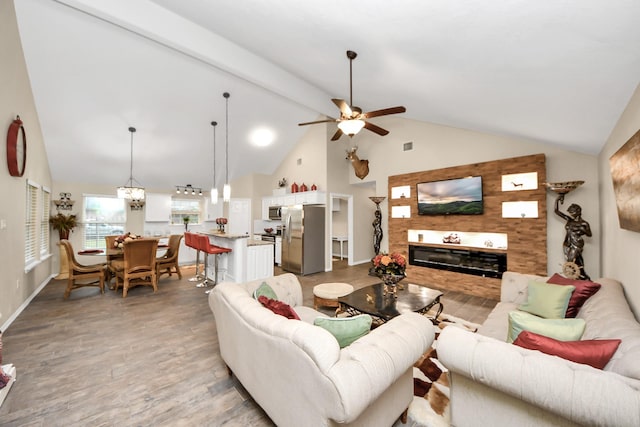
[(64, 264)]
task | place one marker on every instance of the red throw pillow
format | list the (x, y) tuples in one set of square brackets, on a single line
[(584, 290), (279, 307), (596, 353)]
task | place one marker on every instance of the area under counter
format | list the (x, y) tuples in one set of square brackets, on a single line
[(248, 260)]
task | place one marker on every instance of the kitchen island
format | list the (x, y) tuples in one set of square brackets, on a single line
[(248, 260)]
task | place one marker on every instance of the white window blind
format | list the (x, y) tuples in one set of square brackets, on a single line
[(44, 222), (183, 208), (31, 222), (102, 216)]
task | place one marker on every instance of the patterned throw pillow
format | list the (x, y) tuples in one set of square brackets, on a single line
[(345, 329), (547, 300), (584, 290), (279, 307), (596, 353)]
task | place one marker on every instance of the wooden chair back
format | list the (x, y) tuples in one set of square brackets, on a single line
[(139, 265), (79, 273), (168, 263)]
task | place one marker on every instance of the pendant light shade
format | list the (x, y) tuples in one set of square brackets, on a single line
[(226, 190), (214, 189), (129, 191), (351, 127)]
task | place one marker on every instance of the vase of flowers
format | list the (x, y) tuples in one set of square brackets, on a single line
[(222, 222), (119, 242), (391, 270), (64, 224)]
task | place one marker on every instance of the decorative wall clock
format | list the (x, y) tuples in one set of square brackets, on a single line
[(16, 148)]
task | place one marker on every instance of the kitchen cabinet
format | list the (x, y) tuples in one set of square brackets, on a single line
[(302, 198), (157, 207), (278, 252), (259, 262)]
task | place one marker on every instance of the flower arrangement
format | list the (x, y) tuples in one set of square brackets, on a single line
[(393, 263), (119, 242), (221, 223)]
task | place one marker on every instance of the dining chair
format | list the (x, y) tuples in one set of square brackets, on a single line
[(138, 266), (111, 272), (80, 273), (168, 263)]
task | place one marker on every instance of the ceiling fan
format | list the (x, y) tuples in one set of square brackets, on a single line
[(352, 119)]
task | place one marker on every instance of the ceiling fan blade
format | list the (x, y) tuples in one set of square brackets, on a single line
[(383, 112), (336, 136), (375, 129), (317, 121), (343, 106)]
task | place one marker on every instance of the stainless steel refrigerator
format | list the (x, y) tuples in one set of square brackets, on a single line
[(303, 238)]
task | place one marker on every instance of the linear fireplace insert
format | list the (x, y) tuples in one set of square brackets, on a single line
[(478, 263)]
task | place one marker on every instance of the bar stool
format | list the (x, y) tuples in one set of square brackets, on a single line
[(209, 249), (190, 241)]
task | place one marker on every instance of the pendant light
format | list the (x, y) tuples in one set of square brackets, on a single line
[(129, 190), (226, 190), (214, 189)]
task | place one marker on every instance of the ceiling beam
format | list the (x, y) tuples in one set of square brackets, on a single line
[(147, 19)]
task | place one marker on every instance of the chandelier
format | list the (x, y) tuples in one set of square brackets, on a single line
[(130, 191)]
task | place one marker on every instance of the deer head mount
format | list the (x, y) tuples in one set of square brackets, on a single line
[(360, 167)]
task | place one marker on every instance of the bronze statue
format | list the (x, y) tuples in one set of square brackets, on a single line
[(377, 231), (573, 244)]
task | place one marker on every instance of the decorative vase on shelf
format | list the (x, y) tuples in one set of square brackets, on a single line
[(313, 187), (294, 188), (303, 187), (391, 285)]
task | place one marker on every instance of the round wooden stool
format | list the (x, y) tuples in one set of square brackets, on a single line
[(327, 294)]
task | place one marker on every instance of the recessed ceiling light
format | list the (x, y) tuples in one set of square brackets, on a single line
[(262, 137)]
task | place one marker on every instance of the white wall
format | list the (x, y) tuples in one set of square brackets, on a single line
[(620, 248), (16, 286), (436, 147)]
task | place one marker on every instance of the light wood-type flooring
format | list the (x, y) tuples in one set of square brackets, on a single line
[(150, 359)]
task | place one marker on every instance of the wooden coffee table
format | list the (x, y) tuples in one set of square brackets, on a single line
[(370, 300)]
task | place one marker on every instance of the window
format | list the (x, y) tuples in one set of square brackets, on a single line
[(30, 224), (183, 208), (102, 216), (44, 222)]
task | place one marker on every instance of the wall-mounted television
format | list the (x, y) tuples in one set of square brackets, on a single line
[(459, 196)]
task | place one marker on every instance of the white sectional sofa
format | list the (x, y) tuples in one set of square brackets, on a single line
[(494, 383), (297, 372)]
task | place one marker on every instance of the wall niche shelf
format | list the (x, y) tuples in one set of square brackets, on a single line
[(401, 192), (520, 181)]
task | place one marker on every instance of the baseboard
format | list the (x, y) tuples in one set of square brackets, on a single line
[(26, 303)]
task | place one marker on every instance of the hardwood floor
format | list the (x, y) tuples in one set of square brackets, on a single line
[(148, 359)]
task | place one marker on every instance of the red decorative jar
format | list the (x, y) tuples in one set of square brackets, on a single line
[(294, 188), (303, 187), (313, 187)]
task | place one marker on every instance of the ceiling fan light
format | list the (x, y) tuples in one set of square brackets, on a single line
[(351, 127)]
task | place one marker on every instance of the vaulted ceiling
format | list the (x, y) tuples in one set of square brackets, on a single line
[(555, 72)]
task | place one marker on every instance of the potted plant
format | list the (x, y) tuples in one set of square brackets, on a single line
[(64, 224), (186, 220)]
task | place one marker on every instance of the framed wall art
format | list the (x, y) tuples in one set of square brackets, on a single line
[(625, 173)]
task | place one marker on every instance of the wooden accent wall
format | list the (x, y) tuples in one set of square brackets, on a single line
[(527, 237)]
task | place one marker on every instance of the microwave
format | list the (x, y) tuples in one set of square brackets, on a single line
[(275, 212)]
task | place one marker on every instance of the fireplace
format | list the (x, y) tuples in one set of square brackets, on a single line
[(475, 262)]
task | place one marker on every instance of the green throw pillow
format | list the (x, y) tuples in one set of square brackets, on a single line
[(265, 290), (559, 329), (547, 300), (345, 329)]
